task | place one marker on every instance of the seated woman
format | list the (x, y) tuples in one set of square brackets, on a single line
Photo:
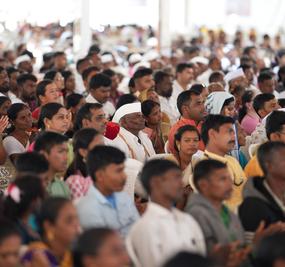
[(58, 227), (186, 145), (18, 139), (156, 129), (78, 180), (95, 247), (23, 197)]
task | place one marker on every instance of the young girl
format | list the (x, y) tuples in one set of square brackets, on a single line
[(78, 180)]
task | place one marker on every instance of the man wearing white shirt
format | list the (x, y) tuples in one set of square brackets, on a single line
[(163, 87), (100, 87), (131, 140), (184, 77), (163, 230), (266, 83)]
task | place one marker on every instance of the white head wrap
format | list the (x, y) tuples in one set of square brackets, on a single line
[(215, 101), (21, 59), (233, 75), (125, 110)]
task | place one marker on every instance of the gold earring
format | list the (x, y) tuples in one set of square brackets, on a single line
[(50, 236)]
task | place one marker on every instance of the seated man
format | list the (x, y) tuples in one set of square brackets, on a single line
[(275, 127), (214, 184), (163, 230), (264, 197), (219, 137), (131, 139), (105, 205)]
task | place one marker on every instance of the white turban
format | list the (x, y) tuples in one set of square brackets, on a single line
[(233, 75), (215, 101), (125, 110), (199, 59), (21, 59)]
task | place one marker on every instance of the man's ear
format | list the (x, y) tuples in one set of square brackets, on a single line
[(212, 133), (99, 174), (85, 123), (44, 153)]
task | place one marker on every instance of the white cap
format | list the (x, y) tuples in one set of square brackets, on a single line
[(233, 75), (199, 59), (107, 58), (141, 65), (151, 55), (125, 110), (21, 59), (134, 58)]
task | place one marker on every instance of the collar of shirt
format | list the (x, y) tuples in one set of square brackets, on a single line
[(91, 99), (215, 156), (176, 85), (128, 135), (100, 197), (191, 122), (275, 197), (160, 211)]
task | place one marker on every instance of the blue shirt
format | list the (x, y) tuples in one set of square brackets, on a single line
[(95, 210)]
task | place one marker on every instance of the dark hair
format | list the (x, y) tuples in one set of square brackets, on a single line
[(142, 73), (246, 98), (110, 73), (85, 113), (80, 61), (59, 53), (14, 109), (281, 72), (247, 50), (94, 49), (266, 152), (182, 66), (81, 139), (73, 100), (66, 74), (26, 77), (11, 70), (204, 168), (3, 99), (131, 83), (181, 131), (50, 75), (89, 244), (147, 107), (270, 249), (155, 167), (245, 66), (50, 211), (264, 76), (41, 87), (159, 76), (281, 102), (198, 87), (31, 188), (46, 140), (184, 97), (99, 80), (274, 122), (126, 99), (31, 162), (213, 122), (215, 76), (186, 259), (228, 101), (48, 111), (87, 71), (260, 100), (7, 229), (102, 156)]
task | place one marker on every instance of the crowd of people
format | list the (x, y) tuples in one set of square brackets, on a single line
[(152, 161)]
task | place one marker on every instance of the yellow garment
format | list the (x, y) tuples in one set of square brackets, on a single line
[(238, 176), (67, 260), (253, 168)]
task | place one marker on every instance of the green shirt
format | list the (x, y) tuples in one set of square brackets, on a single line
[(57, 188)]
